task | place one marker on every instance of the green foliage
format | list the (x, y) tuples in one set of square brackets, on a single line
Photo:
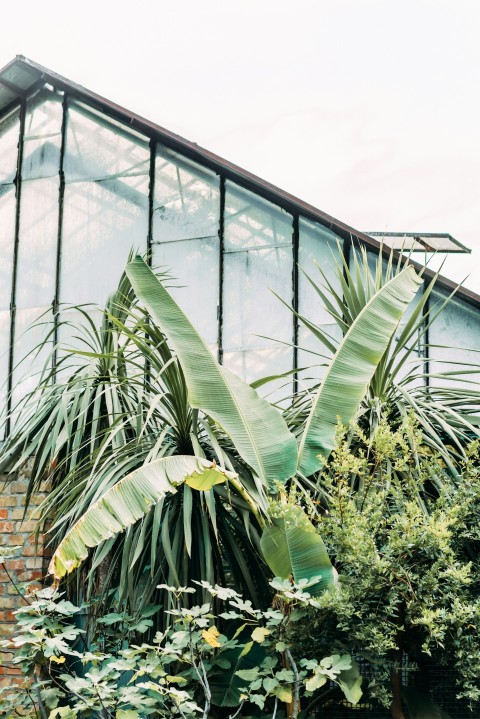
[(352, 367), (251, 659), (124, 406), (402, 380), (292, 547), (259, 433), (408, 584), (128, 501)]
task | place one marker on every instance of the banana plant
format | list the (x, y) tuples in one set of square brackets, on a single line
[(256, 430)]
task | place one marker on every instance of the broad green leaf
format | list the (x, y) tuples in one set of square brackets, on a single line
[(224, 683), (350, 682), (248, 674), (284, 694), (258, 431), (259, 634), (353, 366), (206, 480), (315, 682), (292, 547), (125, 503)]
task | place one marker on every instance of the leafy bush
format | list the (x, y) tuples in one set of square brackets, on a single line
[(405, 546), (240, 657)]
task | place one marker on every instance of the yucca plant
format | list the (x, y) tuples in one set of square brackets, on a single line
[(402, 383), (125, 403), (258, 433)]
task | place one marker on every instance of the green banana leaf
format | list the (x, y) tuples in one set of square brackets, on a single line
[(128, 501), (258, 431), (292, 547), (353, 366)]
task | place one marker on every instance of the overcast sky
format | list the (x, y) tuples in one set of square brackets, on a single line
[(368, 109)]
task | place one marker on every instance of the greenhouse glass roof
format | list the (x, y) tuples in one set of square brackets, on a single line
[(83, 180)]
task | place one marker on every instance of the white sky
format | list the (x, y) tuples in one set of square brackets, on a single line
[(368, 109)]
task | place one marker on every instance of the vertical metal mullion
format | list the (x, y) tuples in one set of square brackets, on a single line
[(221, 243), (347, 251), (151, 194), (13, 306), (295, 305), (61, 197), (426, 337)]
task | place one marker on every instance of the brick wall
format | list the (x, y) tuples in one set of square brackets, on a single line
[(28, 565)]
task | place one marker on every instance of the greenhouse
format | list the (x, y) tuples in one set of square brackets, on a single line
[(276, 290), (83, 181)]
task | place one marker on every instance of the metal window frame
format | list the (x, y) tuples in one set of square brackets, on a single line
[(13, 305)]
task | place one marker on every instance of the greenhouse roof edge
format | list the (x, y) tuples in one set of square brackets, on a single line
[(21, 76)]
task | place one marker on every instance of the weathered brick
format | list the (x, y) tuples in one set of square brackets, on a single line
[(16, 539), (16, 513), (15, 564), (35, 563), (9, 681), (8, 603), (5, 514), (18, 486), (8, 500), (25, 526), (28, 551), (6, 527), (29, 575)]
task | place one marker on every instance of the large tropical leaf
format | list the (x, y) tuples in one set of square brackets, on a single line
[(292, 547), (353, 366), (128, 501), (225, 684), (258, 431)]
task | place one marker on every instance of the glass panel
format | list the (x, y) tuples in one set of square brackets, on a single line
[(6, 97), (457, 326), (36, 268), (9, 135), (76, 332), (317, 244), (32, 328), (100, 148), (250, 307), (254, 364), (312, 356), (186, 201), (415, 364), (251, 221), (258, 261), (21, 76), (43, 136), (194, 265), (102, 222), (7, 241)]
